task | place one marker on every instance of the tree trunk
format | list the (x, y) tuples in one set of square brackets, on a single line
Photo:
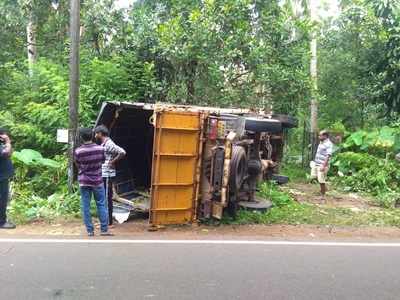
[(314, 82), (31, 42), (314, 86), (73, 86), (191, 74), (96, 43)]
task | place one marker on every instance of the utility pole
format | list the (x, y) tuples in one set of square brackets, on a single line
[(314, 79), (31, 35), (73, 86)]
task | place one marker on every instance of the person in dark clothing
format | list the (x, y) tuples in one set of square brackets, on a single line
[(113, 154), (6, 172)]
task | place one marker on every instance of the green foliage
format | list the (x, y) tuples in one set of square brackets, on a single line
[(39, 188), (387, 199), (367, 173), (35, 107), (294, 171), (222, 52), (42, 176), (365, 163), (297, 214), (270, 191), (285, 209), (116, 79), (351, 162), (291, 212), (28, 207), (387, 67), (353, 58), (29, 157), (378, 142), (337, 128)]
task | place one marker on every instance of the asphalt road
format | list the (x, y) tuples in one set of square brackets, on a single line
[(197, 271)]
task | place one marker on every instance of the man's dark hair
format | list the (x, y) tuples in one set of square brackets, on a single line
[(101, 129), (86, 134), (3, 130), (325, 133)]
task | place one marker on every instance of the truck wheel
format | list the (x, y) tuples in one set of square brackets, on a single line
[(237, 166), (263, 125)]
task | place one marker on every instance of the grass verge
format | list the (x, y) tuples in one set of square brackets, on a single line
[(288, 211)]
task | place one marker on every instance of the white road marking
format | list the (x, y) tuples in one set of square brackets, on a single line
[(197, 242)]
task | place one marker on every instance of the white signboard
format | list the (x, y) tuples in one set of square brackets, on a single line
[(62, 136)]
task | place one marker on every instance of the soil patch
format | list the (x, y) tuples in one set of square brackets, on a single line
[(309, 193), (138, 230)]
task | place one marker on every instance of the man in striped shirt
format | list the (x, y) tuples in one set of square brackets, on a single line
[(113, 154), (89, 157)]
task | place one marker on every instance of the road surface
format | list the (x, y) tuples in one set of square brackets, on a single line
[(76, 269)]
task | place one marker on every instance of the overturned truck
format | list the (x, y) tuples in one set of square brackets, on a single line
[(188, 163)]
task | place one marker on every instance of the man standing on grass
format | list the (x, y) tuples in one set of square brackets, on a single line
[(113, 154), (320, 165), (6, 172), (89, 158)]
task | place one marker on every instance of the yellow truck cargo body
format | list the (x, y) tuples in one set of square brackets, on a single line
[(174, 171)]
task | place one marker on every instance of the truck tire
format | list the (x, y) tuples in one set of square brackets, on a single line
[(280, 179), (263, 125), (238, 167)]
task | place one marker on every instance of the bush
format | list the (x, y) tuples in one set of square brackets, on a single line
[(379, 142), (27, 206), (366, 173), (41, 176), (387, 199), (39, 188), (366, 164), (352, 162)]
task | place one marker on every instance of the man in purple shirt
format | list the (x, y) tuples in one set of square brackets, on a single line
[(88, 158)]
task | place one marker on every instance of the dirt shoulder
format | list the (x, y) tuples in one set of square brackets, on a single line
[(139, 230), (301, 192), (308, 193)]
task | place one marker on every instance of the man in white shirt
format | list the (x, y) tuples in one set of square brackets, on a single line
[(320, 165), (113, 153)]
